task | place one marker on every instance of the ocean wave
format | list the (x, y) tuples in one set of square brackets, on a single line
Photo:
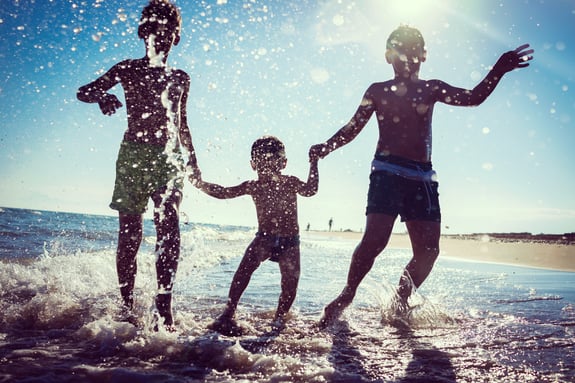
[(60, 316)]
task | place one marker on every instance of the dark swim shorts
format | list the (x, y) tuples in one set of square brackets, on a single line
[(142, 169), (279, 244), (393, 194)]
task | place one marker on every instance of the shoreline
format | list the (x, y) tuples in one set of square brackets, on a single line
[(508, 250)]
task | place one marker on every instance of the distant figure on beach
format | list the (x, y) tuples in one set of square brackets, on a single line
[(277, 239), (330, 223), (150, 162), (402, 181)]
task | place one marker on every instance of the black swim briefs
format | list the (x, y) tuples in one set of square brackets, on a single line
[(279, 244)]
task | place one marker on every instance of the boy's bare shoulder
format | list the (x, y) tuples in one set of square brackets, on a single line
[(132, 63), (179, 76), (391, 82), (380, 84), (378, 87), (292, 183), (282, 182), (180, 73), (123, 65), (434, 82), (250, 186), (293, 179)]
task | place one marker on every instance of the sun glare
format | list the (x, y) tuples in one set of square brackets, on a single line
[(413, 12)]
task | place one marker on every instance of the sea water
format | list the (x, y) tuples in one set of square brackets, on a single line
[(470, 322)]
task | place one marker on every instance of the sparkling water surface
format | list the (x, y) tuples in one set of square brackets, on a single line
[(470, 322)]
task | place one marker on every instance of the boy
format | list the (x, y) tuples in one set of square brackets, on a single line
[(277, 239), (402, 181), (150, 163)]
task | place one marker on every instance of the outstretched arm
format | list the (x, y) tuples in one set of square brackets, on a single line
[(348, 132), (222, 192), (97, 92), (518, 58)]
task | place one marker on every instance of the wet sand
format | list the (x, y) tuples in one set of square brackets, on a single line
[(553, 255)]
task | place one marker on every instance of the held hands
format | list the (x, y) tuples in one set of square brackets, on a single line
[(109, 104), (517, 58), (318, 151)]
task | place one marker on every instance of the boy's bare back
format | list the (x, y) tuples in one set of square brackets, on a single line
[(274, 194), (404, 105), (275, 199), (404, 110), (149, 91)]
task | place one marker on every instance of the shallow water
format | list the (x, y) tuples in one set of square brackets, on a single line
[(471, 322)]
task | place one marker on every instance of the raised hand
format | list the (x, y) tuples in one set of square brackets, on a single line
[(109, 104), (518, 58)]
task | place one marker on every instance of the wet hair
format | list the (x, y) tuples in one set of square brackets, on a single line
[(405, 39), (159, 12), (267, 148)]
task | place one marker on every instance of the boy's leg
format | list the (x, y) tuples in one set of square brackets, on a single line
[(129, 239), (166, 220), (249, 263), (377, 232), (424, 236), (289, 265), (251, 260)]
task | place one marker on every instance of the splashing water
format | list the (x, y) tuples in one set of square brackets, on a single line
[(60, 316)]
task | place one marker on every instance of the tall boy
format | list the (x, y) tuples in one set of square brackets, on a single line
[(277, 239), (402, 181), (150, 163)]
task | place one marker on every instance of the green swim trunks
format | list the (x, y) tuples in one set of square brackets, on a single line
[(141, 169)]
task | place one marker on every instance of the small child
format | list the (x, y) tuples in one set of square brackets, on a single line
[(150, 163), (277, 239)]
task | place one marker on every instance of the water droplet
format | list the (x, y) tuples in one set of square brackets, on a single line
[(338, 20)]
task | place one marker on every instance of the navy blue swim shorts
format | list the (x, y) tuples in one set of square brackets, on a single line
[(412, 200)]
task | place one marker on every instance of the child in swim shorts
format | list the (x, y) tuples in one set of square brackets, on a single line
[(150, 163), (277, 239)]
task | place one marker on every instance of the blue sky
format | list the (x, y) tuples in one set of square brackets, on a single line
[(298, 70)]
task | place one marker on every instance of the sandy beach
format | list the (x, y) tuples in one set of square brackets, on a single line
[(553, 255)]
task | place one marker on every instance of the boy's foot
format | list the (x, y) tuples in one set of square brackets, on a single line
[(226, 326), (400, 308), (330, 314), (169, 328), (400, 314), (164, 314), (278, 325), (168, 323), (127, 315)]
